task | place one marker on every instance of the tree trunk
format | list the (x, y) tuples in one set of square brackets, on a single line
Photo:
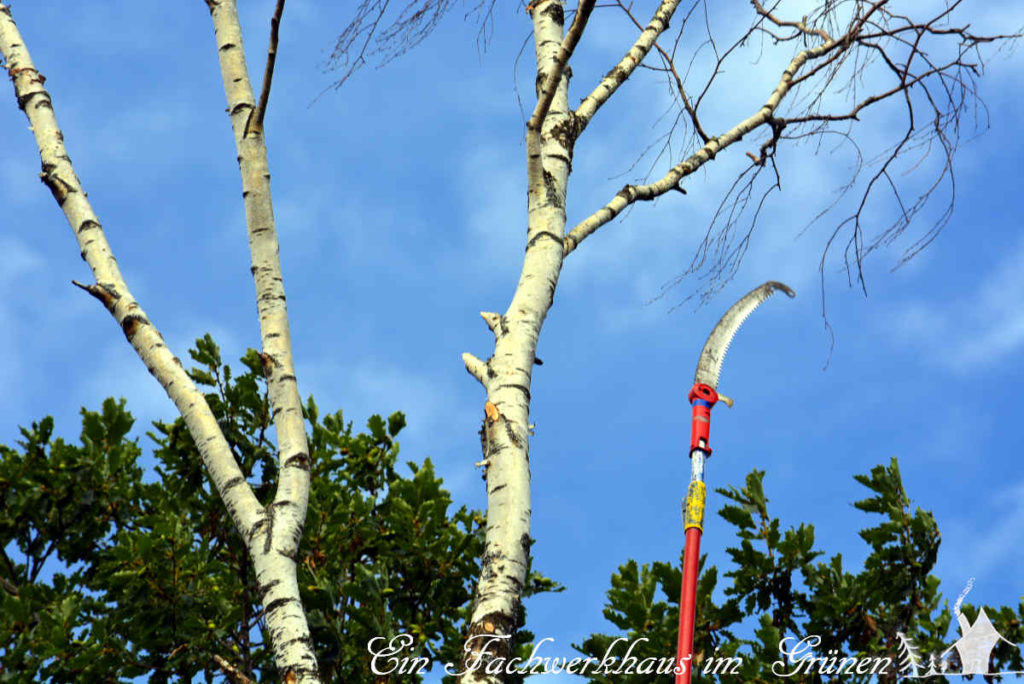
[(274, 541), (271, 533), (506, 376)]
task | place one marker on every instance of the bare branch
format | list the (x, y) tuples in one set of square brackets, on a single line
[(631, 193), (232, 673), (800, 26), (476, 367), (572, 38), (274, 542), (293, 484), (493, 321), (256, 118), (366, 38), (632, 59), (677, 80), (836, 45)]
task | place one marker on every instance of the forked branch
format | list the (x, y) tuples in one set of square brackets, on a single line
[(547, 89), (257, 116), (272, 532), (110, 287), (283, 523), (670, 181), (849, 56)]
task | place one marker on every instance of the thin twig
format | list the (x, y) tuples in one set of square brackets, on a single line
[(670, 65), (629, 62), (234, 675)]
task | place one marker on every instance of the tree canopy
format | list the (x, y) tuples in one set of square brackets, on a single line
[(781, 586), (110, 574)]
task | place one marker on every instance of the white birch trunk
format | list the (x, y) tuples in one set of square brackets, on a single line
[(110, 288), (271, 533), (275, 545), (506, 376)]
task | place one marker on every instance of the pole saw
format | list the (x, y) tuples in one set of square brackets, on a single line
[(703, 396)]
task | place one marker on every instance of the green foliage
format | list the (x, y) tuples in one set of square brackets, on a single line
[(779, 588), (106, 576), (66, 503)]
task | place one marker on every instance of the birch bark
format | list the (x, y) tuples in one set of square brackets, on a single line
[(110, 287), (506, 376), (275, 553), (550, 141), (551, 136), (271, 533)]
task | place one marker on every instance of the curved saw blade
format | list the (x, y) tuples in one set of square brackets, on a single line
[(710, 364)]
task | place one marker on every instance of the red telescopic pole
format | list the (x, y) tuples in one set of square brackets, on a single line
[(688, 606), (702, 398)]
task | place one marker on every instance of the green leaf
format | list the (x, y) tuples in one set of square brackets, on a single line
[(376, 425), (396, 421)]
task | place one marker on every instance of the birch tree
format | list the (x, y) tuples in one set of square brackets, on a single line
[(842, 58), (271, 532), (156, 584)]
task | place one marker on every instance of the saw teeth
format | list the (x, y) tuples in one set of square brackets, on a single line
[(709, 367)]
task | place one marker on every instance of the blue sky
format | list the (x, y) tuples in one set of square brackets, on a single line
[(401, 209)]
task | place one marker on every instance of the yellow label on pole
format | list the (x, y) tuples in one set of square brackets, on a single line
[(696, 496)]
